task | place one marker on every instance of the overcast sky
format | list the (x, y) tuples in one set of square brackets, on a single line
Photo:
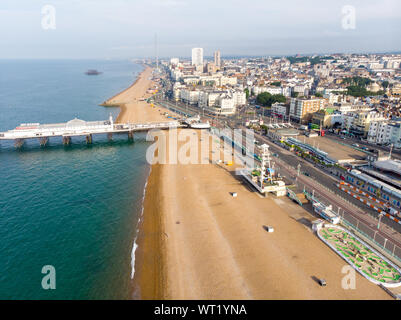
[(127, 28)]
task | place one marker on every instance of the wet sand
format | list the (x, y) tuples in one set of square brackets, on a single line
[(198, 242)]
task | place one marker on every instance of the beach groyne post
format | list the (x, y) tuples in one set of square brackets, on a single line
[(66, 141), (89, 139)]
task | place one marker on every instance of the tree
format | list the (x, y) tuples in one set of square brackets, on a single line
[(263, 98), (385, 84), (318, 95), (279, 98), (276, 84), (294, 94), (246, 92), (266, 99)]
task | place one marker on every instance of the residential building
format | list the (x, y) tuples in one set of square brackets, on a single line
[(324, 118), (302, 109), (362, 120), (385, 132), (217, 59), (197, 56), (189, 96), (280, 110)]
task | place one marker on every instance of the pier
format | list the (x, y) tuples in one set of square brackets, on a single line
[(77, 127)]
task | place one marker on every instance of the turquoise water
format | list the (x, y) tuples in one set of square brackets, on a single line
[(75, 208)]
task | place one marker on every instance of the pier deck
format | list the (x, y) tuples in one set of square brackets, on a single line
[(77, 127)]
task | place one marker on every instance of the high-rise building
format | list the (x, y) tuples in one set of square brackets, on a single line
[(197, 56), (217, 59)]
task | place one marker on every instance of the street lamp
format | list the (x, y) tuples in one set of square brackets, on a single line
[(380, 217)]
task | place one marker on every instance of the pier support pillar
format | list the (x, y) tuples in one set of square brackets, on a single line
[(130, 135), (110, 136), (89, 139), (19, 143), (66, 141), (43, 141)]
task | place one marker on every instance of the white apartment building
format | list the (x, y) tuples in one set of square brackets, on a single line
[(209, 99), (285, 91), (239, 97), (227, 105), (221, 102), (217, 59), (280, 110), (385, 132), (334, 98), (189, 96), (395, 138), (177, 89), (271, 89), (209, 80), (345, 107), (379, 132), (174, 61), (347, 120), (332, 90), (302, 90), (358, 123), (197, 56), (224, 81)]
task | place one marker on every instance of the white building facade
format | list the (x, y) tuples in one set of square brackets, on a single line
[(197, 56)]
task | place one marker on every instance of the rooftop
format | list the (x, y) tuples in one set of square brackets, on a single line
[(393, 166)]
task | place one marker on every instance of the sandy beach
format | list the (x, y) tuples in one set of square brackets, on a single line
[(198, 242), (132, 108)]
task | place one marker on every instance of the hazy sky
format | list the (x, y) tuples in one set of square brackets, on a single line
[(127, 28)]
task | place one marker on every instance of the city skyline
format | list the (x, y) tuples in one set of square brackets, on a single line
[(101, 30)]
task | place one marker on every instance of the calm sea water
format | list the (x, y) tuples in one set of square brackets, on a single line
[(75, 208)]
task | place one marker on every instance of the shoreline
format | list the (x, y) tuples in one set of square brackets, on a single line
[(109, 103), (148, 276)]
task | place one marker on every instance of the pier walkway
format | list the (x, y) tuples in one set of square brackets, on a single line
[(77, 127)]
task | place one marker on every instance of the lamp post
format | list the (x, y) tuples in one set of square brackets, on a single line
[(380, 217)]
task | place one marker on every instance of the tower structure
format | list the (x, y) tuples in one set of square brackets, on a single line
[(265, 164), (217, 59)]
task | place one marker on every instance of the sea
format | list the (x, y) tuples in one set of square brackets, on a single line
[(68, 214)]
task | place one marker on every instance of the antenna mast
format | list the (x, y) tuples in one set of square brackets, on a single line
[(156, 54)]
